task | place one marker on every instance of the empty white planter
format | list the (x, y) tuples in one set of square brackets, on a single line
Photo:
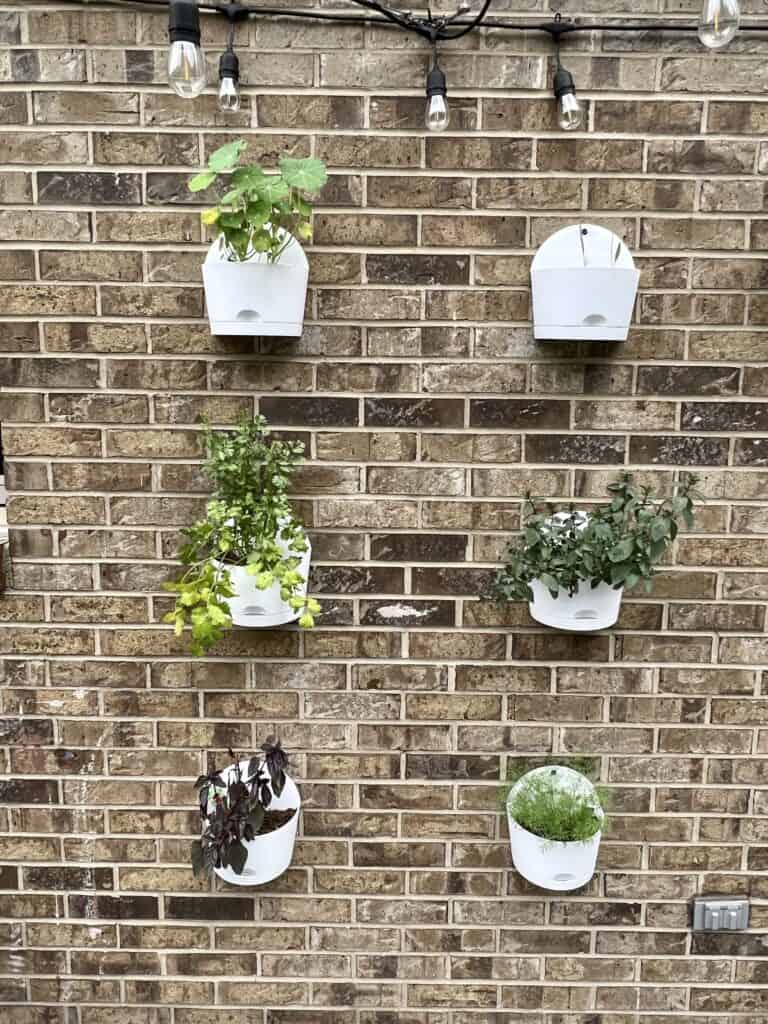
[(268, 855), (583, 281), (256, 297), (588, 609), (258, 608), (548, 863)]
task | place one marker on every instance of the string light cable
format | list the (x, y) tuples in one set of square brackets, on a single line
[(718, 23)]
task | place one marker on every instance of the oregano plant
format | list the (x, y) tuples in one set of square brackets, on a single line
[(620, 543), (249, 521), (260, 212)]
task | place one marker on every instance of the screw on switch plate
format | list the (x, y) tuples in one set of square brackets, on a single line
[(713, 914)]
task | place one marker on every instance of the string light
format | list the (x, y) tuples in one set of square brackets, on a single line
[(437, 115), (718, 24), (570, 116), (186, 60)]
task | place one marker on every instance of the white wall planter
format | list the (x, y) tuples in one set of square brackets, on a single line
[(547, 863), (584, 281), (589, 608), (256, 297), (269, 855), (258, 608)]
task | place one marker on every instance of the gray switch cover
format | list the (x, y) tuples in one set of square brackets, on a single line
[(713, 914)]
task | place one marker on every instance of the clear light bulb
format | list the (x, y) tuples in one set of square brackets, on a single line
[(437, 115), (569, 113), (718, 22), (229, 76), (186, 69), (229, 96)]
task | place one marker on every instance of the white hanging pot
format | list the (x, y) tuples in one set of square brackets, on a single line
[(552, 864), (589, 608), (583, 285), (258, 608), (254, 296), (269, 855)]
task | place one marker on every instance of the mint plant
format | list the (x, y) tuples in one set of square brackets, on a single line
[(619, 543), (259, 212), (247, 517)]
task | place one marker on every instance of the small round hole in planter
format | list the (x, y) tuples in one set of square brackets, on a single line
[(572, 566)]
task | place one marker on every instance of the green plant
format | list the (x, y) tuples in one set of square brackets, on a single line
[(259, 213), (554, 812), (236, 809), (249, 521), (620, 543)]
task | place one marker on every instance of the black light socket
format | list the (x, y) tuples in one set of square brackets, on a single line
[(436, 84), (184, 22), (229, 66), (563, 83)]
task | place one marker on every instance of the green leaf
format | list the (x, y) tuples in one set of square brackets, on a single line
[(201, 181), (622, 551), (225, 157), (308, 175), (273, 189), (231, 220), (246, 179)]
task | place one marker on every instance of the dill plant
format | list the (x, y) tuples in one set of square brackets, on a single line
[(555, 813)]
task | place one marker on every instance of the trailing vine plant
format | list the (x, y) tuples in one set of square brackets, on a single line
[(249, 521)]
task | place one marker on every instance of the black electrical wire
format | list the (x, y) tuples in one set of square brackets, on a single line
[(423, 26)]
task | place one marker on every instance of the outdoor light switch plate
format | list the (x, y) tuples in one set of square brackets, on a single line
[(719, 915)]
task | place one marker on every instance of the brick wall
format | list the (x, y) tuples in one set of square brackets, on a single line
[(428, 411)]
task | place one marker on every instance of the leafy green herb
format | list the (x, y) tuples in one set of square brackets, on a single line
[(260, 213), (248, 514), (555, 813), (620, 544)]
